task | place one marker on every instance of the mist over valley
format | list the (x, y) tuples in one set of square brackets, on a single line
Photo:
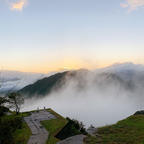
[(98, 97)]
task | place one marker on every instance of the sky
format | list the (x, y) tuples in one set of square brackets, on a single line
[(51, 35)]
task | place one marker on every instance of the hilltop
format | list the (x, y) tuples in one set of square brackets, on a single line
[(39, 126), (127, 131)]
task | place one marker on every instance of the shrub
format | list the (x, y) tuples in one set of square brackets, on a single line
[(139, 112), (72, 128), (8, 124), (3, 110)]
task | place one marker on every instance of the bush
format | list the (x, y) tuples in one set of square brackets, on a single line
[(3, 110), (72, 128), (139, 112), (8, 124)]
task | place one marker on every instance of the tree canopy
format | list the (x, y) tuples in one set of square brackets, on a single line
[(15, 101)]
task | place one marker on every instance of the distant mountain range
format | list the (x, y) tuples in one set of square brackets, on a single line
[(128, 77), (55, 82), (15, 80), (44, 86)]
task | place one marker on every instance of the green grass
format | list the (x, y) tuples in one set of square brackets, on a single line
[(128, 131), (54, 126), (21, 136)]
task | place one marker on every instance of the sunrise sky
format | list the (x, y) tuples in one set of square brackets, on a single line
[(50, 35)]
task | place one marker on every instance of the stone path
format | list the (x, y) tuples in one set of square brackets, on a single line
[(39, 133), (78, 139)]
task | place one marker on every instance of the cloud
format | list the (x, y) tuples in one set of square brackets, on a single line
[(101, 97), (132, 4), (19, 5)]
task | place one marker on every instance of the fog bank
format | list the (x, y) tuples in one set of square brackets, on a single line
[(95, 98)]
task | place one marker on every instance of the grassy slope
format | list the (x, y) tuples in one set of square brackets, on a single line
[(54, 126), (22, 135), (128, 131)]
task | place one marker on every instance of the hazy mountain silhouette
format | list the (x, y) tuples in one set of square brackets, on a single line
[(81, 80), (54, 82), (43, 86)]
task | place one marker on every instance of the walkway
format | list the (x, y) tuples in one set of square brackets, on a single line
[(39, 133)]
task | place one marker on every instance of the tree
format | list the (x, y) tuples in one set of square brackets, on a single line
[(15, 101), (3, 100), (3, 108)]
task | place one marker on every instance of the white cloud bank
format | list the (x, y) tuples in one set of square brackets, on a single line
[(132, 4), (95, 97)]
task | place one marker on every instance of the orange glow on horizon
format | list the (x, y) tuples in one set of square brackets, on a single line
[(54, 64), (59, 66)]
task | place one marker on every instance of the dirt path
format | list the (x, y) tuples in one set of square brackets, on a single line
[(39, 133), (78, 139)]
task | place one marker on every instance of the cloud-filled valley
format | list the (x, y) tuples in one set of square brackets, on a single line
[(98, 97)]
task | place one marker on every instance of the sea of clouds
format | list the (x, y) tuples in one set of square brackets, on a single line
[(97, 99)]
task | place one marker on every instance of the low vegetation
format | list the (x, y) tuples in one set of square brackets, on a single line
[(62, 128), (128, 131), (21, 136), (54, 126), (13, 130), (73, 127)]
